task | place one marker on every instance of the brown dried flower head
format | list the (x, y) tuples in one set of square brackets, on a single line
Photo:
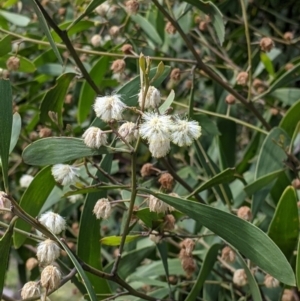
[(170, 29), (31, 263), (188, 245), (50, 277), (259, 85), (147, 170), (230, 99), (118, 66), (266, 44), (274, 111), (13, 63), (96, 40), (288, 295), (228, 254), (296, 183), (189, 265), (45, 132), (68, 99), (132, 6), (169, 222), (245, 213), (240, 277), (242, 78), (166, 181), (270, 281), (114, 31), (175, 74), (127, 49), (288, 36)]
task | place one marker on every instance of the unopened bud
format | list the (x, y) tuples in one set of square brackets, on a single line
[(288, 295), (147, 170), (118, 66), (13, 63), (166, 181), (132, 6), (259, 85), (240, 277), (230, 99), (31, 263), (296, 183), (170, 29), (175, 74), (45, 132), (127, 49), (188, 245), (169, 222), (266, 44), (288, 36), (203, 26), (289, 66), (270, 281), (114, 31), (245, 213), (228, 254), (242, 78), (50, 277), (96, 40), (189, 265)]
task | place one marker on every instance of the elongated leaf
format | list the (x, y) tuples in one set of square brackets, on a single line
[(45, 28), (225, 176), (255, 292), (92, 189), (262, 182), (214, 13), (208, 263), (6, 121), (287, 96), (116, 240), (54, 98), (49, 151), (167, 103), (16, 129), (267, 63), (284, 227), (298, 265), (5, 45), (81, 272), (5, 243), (241, 234), (87, 94), (148, 29), (290, 119), (16, 19), (89, 247), (33, 200)]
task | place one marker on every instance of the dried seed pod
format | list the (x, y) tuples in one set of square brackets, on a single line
[(266, 44)]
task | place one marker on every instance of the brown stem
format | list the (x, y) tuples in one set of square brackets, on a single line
[(208, 71)]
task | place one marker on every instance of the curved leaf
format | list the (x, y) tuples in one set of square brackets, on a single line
[(16, 129), (241, 234), (49, 151), (6, 120), (290, 119), (16, 19), (33, 200), (116, 240), (284, 227), (5, 45), (54, 98), (25, 64)]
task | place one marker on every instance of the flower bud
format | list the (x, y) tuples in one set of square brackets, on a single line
[(25, 181), (47, 252), (175, 74), (245, 213), (170, 29), (53, 222), (132, 6), (31, 263), (102, 209), (288, 36), (30, 289), (188, 245), (189, 265), (288, 295), (114, 31), (230, 99), (45, 132), (242, 78), (128, 131), (258, 85), (118, 66), (50, 277), (270, 281), (296, 183), (228, 254), (203, 26), (240, 277), (94, 137), (266, 44), (166, 181), (13, 63), (127, 49), (147, 170), (289, 66), (96, 40), (102, 9)]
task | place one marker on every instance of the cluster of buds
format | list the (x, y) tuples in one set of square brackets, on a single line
[(186, 257)]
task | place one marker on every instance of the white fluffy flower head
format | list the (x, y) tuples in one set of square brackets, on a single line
[(53, 222), (25, 181), (156, 127), (109, 108), (102, 209), (184, 132), (94, 137), (159, 148), (47, 252), (30, 289), (240, 277), (156, 205), (64, 174), (152, 99), (128, 131)]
